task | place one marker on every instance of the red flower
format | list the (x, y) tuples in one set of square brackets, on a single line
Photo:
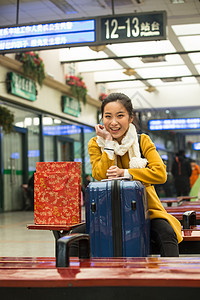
[(79, 89), (102, 96)]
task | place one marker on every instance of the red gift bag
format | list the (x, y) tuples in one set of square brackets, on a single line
[(57, 193)]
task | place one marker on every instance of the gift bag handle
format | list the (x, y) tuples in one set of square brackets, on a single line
[(60, 189)]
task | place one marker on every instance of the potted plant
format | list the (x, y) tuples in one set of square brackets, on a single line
[(78, 87), (6, 119), (32, 65), (102, 96)]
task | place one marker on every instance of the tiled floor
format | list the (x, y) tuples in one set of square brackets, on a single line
[(17, 240)]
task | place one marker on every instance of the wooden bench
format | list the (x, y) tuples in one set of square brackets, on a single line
[(196, 202), (58, 230), (178, 211), (191, 241), (190, 244), (100, 278), (177, 200)]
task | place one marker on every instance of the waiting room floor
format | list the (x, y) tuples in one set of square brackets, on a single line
[(17, 240)]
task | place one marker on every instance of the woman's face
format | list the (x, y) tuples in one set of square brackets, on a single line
[(116, 119)]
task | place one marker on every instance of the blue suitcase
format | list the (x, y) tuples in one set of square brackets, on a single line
[(117, 219)]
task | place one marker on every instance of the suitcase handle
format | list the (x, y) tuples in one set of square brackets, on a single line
[(93, 207), (133, 205), (63, 246)]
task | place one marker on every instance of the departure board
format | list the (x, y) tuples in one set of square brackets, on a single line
[(73, 33)]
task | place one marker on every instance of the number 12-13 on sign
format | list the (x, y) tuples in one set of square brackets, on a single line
[(135, 27)]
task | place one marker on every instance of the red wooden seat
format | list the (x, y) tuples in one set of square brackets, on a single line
[(182, 208), (52, 227), (102, 278), (178, 200)]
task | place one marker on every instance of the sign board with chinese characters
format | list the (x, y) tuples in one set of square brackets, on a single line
[(71, 106), (133, 27), (47, 35), (21, 86), (173, 124), (95, 31), (196, 146)]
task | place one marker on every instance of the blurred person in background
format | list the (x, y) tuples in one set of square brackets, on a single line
[(86, 181), (195, 172), (181, 171)]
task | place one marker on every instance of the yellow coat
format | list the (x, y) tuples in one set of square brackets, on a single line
[(154, 173)]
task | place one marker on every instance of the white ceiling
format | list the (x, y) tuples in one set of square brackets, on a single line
[(183, 35)]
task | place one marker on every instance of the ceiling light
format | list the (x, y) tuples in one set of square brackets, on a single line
[(150, 89), (152, 59), (98, 48), (171, 79), (177, 1), (129, 72)]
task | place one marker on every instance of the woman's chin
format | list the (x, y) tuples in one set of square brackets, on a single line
[(117, 138)]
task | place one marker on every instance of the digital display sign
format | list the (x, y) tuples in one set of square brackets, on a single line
[(33, 153), (196, 146), (48, 35), (133, 27), (65, 130), (101, 30), (173, 124)]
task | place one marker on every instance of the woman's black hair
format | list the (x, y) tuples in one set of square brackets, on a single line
[(125, 101)]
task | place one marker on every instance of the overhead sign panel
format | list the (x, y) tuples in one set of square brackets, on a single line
[(173, 124), (47, 35), (96, 31), (196, 146), (133, 27)]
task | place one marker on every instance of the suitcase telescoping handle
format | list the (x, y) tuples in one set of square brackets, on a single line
[(63, 246)]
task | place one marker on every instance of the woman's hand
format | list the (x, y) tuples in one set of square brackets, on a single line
[(114, 172), (102, 132)]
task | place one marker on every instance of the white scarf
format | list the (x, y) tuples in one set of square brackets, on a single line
[(129, 143)]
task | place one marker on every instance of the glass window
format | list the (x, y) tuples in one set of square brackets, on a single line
[(30, 121), (88, 134)]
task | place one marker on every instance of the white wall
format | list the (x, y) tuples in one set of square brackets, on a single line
[(49, 100)]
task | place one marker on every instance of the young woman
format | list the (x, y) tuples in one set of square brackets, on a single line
[(115, 152)]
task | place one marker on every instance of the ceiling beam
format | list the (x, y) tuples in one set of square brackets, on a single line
[(125, 66), (130, 56), (178, 46), (149, 78)]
